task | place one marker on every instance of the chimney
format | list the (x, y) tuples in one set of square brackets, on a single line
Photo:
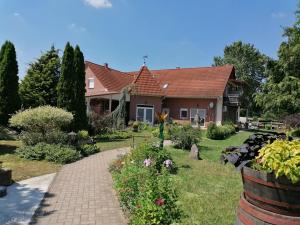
[(106, 65)]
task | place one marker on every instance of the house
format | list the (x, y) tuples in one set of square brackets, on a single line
[(210, 93)]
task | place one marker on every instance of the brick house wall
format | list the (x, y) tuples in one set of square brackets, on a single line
[(175, 104), (144, 100)]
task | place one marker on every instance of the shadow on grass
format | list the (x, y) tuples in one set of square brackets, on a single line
[(7, 149)]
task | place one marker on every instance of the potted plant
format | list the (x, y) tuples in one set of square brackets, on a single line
[(270, 168), (5, 176), (272, 179)]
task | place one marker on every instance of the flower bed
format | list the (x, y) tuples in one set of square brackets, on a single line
[(145, 186)]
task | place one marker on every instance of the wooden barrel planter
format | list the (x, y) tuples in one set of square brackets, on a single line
[(267, 192), (249, 214)]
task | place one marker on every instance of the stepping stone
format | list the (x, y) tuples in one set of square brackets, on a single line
[(2, 191)]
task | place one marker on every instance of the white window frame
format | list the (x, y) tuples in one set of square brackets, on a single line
[(89, 83), (187, 113), (144, 108)]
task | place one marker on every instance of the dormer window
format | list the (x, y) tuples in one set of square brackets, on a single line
[(91, 83)]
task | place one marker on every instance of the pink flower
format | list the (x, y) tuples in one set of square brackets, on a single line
[(147, 162), (168, 163), (160, 201)]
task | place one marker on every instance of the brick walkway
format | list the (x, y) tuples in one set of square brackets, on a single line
[(82, 193)]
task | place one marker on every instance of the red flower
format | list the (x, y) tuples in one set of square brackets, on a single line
[(160, 201)]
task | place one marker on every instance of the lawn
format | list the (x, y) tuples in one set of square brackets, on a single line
[(22, 168), (208, 191), (137, 138)]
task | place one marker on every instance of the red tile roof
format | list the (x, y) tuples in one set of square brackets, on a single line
[(112, 80), (204, 82), (146, 84)]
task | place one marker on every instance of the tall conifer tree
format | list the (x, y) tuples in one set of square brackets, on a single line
[(9, 98), (66, 84), (39, 84), (80, 117)]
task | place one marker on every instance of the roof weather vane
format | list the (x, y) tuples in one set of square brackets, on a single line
[(145, 57)]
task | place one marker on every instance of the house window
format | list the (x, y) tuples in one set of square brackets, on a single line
[(145, 113), (198, 114), (183, 113), (91, 83)]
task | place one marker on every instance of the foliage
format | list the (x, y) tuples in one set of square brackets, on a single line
[(292, 121), (135, 126), (295, 133), (220, 132), (65, 87), (184, 136), (39, 84), (281, 92), (100, 124), (115, 135), (50, 137), (149, 196), (155, 154), (41, 119), (243, 155), (119, 114), (89, 149), (83, 135), (249, 65), (9, 85), (49, 152), (155, 132), (281, 158), (6, 134), (80, 116)]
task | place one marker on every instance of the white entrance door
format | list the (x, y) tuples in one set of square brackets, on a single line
[(202, 115), (145, 114)]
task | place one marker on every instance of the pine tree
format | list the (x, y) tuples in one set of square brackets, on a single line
[(9, 98), (65, 88), (39, 84), (80, 117)]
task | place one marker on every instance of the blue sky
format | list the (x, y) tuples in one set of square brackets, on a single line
[(185, 33)]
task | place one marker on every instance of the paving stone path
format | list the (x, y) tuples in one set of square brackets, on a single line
[(82, 193)]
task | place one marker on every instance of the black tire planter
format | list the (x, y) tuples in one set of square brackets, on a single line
[(5, 177), (267, 192)]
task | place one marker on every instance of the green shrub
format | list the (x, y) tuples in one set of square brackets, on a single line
[(135, 126), (149, 197), (41, 119), (51, 137), (88, 149), (155, 132), (116, 135), (219, 132), (295, 133), (281, 158), (83, 135), (50, 152), (101, 124), (184, 136), (155, 154)]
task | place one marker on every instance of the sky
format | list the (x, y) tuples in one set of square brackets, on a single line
[(184, 33)]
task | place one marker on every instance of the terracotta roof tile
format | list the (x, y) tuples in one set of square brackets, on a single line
[(146, 84), (112, 80)]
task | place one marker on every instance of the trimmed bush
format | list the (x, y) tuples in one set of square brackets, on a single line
[(50, 152), (116, 135), (83, 135), (87, 149), (219, 132), (184, 136), (41, 119)]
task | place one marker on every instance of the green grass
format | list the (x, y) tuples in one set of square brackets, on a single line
[(211, 149), (139, 137), (22, 168), (208, 191)]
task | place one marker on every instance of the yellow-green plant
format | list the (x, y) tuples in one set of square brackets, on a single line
[(281, 158)]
